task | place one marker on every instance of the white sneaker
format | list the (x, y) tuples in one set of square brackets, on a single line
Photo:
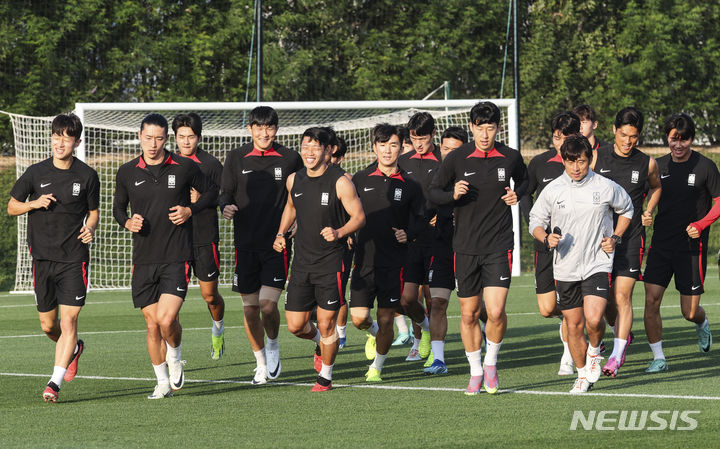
[(582, 385), (566, 368), (260, 375), (274, 366), (177, 373), (413, 356), (161, 391), (593, 367)]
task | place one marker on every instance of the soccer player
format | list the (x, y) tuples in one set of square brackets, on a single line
[(441, 274), (206, 233), (320, 197), (157, 187), (421, 163), (478, 177), (407, 145), (637, 173), (64, 195), (578, 207), (588, 125), (690, 185), (253, 196)]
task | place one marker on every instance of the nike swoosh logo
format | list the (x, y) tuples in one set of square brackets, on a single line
[(45, 185), (504, 278), (180, 289), (138, 183), (394, 299), (469, 174), (602, 170), (332, 302), (297, 194), (212, 273), (278, 279), (275, 373), (547, 179), (600, 289), (695, 287), (78, 298), (367, 189), (408, 172), (633, 270), (664, 176), (245, 172), (429, 170), (560, 202)]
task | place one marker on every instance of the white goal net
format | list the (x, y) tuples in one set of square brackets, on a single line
[(110, 139)]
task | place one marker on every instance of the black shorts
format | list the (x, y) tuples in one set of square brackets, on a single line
[(627, 260), (307, 290), (59, 283), (689, 268), (475, 272), (417, 264), (383, 283), (149, 281), (206, 263), (254, 269), (441, 273), (572, 293), (544, 278)]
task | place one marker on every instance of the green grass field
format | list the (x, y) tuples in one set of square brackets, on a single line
[(106, 405)]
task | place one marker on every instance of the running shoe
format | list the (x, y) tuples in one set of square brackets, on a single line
[(322, 384), (403, 338), (370, 347), (429, 361), (704, 338), (274, 366), (631, 337), (491, 378), (413, 356), (473, 387), (341, 342), (51, 393), (373, 375), (260, 375), (593, 364), (602, 346), (657, 366), (177, 373), (425, 346), (317, 362), (73, 366), (161, 391), (218, 346), (566, 368), (437, 367), (611, 367), (581, 385)]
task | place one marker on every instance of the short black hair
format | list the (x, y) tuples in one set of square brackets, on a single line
[(382, 132), (154, 119), (67, 123), (629, 116), (455, 132), (421, 123), (565, 122), (333, 135), (681, 122), (485, 112), (575, 146), (585, 112), (404, 134), (263, 116), (191, 120), (318, 134), (341, 147)]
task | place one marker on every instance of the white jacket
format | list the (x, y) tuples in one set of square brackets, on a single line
[(583, 212)]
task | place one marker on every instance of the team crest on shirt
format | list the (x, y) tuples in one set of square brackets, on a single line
[(430, 275), (235, 280), (76, 189), (596, 197), (691, 179), (171, 181), (635, 177), (398, 194), (278, 173), (324, 199), (501, 174)]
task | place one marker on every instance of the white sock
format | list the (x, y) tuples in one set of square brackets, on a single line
[(401, 324), (173, 353), (425, 325), (416, 344), (593, 351), (58, 374), (379, 361), (260, 357), (438, 350), (491, 352), (341, 331), (326, 371), (161, 373), (218, 327), (581, 372), (475, 360), (566, 357), (657, 351), (272, 344), (703, 325), (373, 329), (317, 337), (618, 348)]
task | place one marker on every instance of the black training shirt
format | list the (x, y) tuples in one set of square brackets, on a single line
[(423, 167), (205, 222), (542, 170)]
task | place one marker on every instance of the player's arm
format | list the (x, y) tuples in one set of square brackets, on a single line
[(16, 207), (712, 184), (120, 205), (348, 196), (288, 217), (87, 232), (227, 188), (520, 177), (526, 201), (442, 180), (539, 221), (622, 206), (653, 195)]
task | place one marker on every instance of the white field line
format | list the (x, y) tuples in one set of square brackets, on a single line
[(395, 387)]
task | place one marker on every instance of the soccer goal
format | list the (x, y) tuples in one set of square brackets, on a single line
[(110, 139)]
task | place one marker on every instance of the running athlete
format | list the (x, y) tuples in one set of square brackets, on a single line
[(319, 198), (393, 205), (407, 145), (588, 125), (206, 233), (578, 207), (478, 175), (421, 163), (441, 275), (253, 196), (690, 185), (157, 187), (543, 169), (637, 173), (63, 193)]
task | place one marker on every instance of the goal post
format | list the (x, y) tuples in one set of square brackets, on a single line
[(110, 139)]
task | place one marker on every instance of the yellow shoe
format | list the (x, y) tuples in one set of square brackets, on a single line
[(370, 347), (373, 375)]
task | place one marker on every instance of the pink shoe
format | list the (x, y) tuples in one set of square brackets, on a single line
[(611, 367), (473, 387), (622, 357), (491, 379)]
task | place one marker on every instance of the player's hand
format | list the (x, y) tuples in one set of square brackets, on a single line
[(279, 243), (553, 240), (433, 220), (135, 223), (510, 197), (400, 235), (608, 244), (329, 234), (229, 211), (194, 195), (44, 201), (646, 218), (179, 214), (86, 234), (692, 232), (350, 243), (461, 188)]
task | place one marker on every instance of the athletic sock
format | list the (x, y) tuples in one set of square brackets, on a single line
[(657, 351), (491, 352), (218, 327), (593, 351), (341, 331), (173, 353), (425, 325), (566, 357), (379, 361), (58, 374), (438, 349), (618, 348), (416, 344), (272, 344), (703, 325), (161, 373), (581, 372), (401, 324), (475, 360), (260, 357), (326, 371), (373, 329)]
